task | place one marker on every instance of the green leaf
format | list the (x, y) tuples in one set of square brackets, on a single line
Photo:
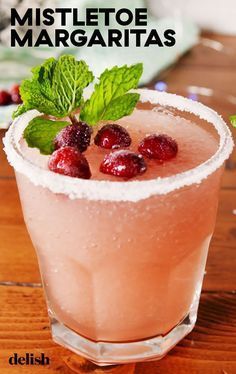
[(21, 109), (233, 120), (41, 132), (56, 87), (120, 107), (109, 100), (70, 78)]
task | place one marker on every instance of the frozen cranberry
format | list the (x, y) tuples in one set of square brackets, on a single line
[(5, 98), (69, 161), (15, 94), (77, 135), (112, 136), (161, 147), (123, 163)]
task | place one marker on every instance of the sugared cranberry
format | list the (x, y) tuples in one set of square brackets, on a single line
[(161, 147), (15, 94), (69, 161), (123, 163), (77, 135), (5, 98), (112, 136)]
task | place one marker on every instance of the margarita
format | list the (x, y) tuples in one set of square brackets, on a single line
[(122, 262)]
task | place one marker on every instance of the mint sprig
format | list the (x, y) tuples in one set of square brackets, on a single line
[(110, 100), (56, 89), (41, 132)]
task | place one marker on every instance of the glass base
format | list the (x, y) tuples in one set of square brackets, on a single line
[(105, 353)]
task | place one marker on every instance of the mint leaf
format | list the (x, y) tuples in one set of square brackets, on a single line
[(120, 107), (70, 78), (233, 120), (110, 100), (37, 93), (21, 109), (41, 132), (56, 87)]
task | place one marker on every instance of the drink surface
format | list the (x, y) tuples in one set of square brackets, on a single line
[(196, 143)]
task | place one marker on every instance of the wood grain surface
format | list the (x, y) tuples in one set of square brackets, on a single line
[(211, 347)]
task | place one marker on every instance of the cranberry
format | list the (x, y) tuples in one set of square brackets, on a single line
[(161, 147), (112, 136), (69, 161), (15, 94), (77, 135), (123, 163), (5, 98)]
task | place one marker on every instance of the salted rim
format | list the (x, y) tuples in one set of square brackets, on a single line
[(134, 191)]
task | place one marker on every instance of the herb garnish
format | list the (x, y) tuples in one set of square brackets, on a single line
[(56, 89)]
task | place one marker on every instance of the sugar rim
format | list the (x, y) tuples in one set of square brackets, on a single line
[(133, 191)]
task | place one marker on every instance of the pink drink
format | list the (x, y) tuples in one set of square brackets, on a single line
[(123, 261)]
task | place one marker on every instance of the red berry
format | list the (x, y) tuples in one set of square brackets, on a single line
[(112, 136), (69, 161), (77, 136), (5, 98), (15, 94), (123, 163), (161, 147)]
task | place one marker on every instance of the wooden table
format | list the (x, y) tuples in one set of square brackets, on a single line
[(210, 348)]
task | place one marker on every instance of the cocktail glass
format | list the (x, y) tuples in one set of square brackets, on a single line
[(122, 263)]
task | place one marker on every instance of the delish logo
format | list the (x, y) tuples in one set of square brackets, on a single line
[(29, 359)]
